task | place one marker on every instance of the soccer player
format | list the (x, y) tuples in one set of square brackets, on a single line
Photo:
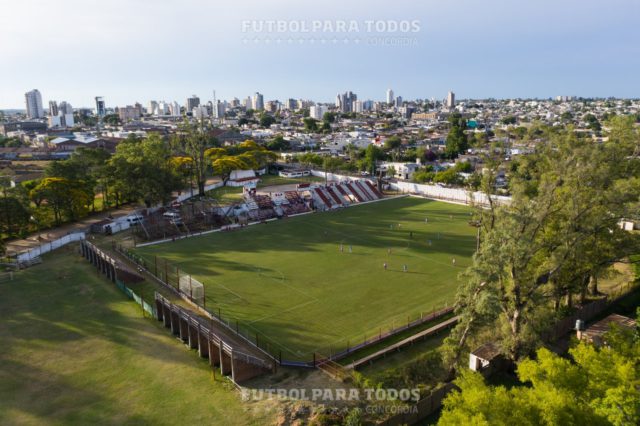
[(350, 248), (404, 268), (453, 261), (341, 248), (385, 265)]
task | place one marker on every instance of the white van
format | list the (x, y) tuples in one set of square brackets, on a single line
[(173, 217), (134, 220)]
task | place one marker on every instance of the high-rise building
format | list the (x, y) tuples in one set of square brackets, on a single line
[(451, 100), (292, 104), (398, 102), (390, 97), (163, 108), (101, 109), (33, 100), (317, 111), (61, 120), (258, 101), (65, 108), (60, 115), (53, 108), (219, 109), (174, 109), (129, 112), (192, 102), (345, 101), (138, 108), (201, 111), (152, 108)]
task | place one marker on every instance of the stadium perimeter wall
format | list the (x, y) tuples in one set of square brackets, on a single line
[(458, 195), (50, 246)]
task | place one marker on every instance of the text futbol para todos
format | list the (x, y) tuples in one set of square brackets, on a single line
[(331, 26)]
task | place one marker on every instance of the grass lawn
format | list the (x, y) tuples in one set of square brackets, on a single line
[(75, 350), (289, 281)]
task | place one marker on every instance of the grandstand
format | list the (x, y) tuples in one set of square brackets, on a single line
[(293, 204), (261, 207), (343, 194)]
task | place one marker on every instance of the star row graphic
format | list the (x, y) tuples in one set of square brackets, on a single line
[(301, 40), (329, 40)]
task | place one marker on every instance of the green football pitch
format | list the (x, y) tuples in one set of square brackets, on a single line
[(317, 284)]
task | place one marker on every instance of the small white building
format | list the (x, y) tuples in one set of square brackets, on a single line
[(480, 360), (242, 178), (403, 171)]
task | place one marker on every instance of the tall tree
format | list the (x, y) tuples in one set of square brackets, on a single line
[(560, 230), (456, 142), (143, 170), (193, 140), (68, 199), (14, 209)]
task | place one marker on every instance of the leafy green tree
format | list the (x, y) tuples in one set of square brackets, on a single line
[(423, 175), (248, 155), (592, 122), (86, 168), (66, 198), (566, 117), (558, 232), (331, 164), (143, 170), (310, 124), (372, 154), (456, 142), (14, 209), (391, 171), (597, 386), (448, 177), (329, 117), (266, 120), (193, 140), (509, 119), (309, 159), (111, 119), (12, 142), (278, 143)]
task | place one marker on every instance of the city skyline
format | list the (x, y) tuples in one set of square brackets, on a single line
[(491, 49)]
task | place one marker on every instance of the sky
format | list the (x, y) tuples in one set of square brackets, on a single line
[(136, 50)]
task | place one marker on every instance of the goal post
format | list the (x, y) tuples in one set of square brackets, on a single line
[(192, 288)]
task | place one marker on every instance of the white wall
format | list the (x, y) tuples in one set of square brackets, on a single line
[(47, 247), (458, 195)]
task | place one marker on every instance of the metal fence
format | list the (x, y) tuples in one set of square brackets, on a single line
[(147, 307), (422, 409)]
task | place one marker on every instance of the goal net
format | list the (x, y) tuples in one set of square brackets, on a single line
[(192, 288)]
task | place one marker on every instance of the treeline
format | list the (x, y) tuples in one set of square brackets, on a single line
[(141, 170), (548, 248)]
